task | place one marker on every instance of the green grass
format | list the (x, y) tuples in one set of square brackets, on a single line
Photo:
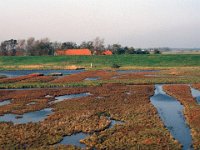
[(177, 60)]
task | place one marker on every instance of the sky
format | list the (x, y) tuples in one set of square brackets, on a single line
[(137, 23)]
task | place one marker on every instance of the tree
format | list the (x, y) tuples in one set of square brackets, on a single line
[(44, 47), (56, 45), (116, 49), (12, 44), (140, 51), (88, 45), (68, 45), (156, 51), (21, 47), (130, 50), (4, 50), (30, 46), (98, 44), (39, 47), (9, 47)]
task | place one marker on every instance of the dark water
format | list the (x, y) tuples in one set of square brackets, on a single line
[(92, 79), (16, 73), (6, 102), (196, 94), (171, 113), (75, 138), (35, 116), (71, 96), (135, 71)]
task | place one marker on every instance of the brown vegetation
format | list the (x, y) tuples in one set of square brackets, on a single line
[(40, 79), (103, 75), (142, 127), (191, 109), (17, 79)]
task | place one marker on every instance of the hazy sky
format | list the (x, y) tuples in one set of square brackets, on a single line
[(138, 23)]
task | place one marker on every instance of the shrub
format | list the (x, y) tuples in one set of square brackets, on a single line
[(115, 66)]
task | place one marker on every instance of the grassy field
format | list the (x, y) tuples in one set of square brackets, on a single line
[(126, 61)]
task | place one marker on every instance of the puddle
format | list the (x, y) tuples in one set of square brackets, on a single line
[(48, 96), (100, 97), (6, 102), (34, 117), (75, 138), (71, 96), (31, 103), (196, 94), (135, 71), (128, 93), (115, 122), (171, 113), (92, 79), (115, 77)]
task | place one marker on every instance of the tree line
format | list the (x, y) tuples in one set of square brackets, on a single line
[(33, 47)]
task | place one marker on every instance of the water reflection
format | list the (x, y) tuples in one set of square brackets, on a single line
[(171, 113), (92, 79), (196, 94), (75, 138), (35, 116), (16, 73), (71, 96), (6, 102)]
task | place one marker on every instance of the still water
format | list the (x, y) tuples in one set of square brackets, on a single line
[(196, 94), (16, 73), (171, 113), (34, 117)]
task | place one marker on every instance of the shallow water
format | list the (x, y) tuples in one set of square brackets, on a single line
[(31, 103), (92, 79), (135, 71), (196, 94), (114, 122), (71, 96), (16, 73), (34, 117), (6, 102), (171, 113), (75, 138)]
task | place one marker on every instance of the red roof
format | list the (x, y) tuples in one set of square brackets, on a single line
[(107, 52), (74, 52)]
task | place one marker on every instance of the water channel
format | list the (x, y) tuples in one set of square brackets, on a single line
[(196, 94), (171, 113), (16, 73)]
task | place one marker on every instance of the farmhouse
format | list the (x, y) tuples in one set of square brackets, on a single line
[(107, 52), (73, 52)]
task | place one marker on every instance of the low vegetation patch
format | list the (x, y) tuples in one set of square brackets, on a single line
[(191, 109), (142, 128)]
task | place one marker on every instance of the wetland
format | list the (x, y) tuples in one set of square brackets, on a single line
[(101, 109)]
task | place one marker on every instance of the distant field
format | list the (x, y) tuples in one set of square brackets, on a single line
[(127, 61)]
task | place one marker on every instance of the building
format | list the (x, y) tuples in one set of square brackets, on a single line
[(73, 52), (107, 52)]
